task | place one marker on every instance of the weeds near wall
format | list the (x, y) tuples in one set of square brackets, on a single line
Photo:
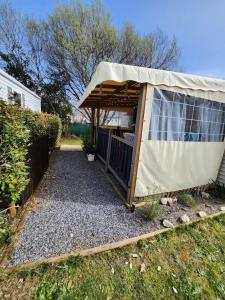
[(151, 209)]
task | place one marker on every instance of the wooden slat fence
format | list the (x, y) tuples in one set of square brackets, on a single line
[(102, 145), (116, 154), (38, 157)]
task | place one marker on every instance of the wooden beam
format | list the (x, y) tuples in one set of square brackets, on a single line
[(108, 150), (97, 124), (135, 86), (92, 125), (137, 142)]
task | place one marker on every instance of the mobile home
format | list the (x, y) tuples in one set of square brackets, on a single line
[(176, 137), (11, 91)]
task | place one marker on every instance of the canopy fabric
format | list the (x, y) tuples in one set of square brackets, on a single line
[(111, 72), (168, 166)]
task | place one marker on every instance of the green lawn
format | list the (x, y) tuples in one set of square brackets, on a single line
[(71, 141), (191, 259)]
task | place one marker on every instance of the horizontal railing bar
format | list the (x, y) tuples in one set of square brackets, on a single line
[(122, 140), (101, 158), (118, 178)]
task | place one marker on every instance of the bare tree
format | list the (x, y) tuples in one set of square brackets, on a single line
[(75, 38)]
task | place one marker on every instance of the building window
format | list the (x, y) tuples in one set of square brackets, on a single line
[(178, 117), (10, 95), (17, 98)]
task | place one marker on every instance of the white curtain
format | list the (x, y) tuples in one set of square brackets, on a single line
[(168, 117)]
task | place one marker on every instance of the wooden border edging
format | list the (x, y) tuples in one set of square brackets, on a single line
[(19, 227), (103, 248)]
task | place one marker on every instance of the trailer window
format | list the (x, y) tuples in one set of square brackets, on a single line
[(178, 117)]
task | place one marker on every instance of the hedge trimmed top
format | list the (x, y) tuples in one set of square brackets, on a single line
[(18, 129)]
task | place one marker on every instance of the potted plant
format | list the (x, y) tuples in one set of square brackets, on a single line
[(89, 148)]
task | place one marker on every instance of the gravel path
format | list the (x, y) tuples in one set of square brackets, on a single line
[(77, 208)]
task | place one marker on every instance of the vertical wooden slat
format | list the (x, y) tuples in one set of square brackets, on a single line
[(108, 150), (97, 124), (93, 125), (137, 142)]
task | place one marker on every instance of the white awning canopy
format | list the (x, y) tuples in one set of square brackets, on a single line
[(124, 81)]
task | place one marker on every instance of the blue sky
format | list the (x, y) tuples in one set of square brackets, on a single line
[(199, 26)]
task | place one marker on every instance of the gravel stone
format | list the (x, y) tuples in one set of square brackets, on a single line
[(202, 214), (184, 219), (167, 224), (78, 208)]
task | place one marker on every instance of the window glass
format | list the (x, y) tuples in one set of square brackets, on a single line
[(178, 117)]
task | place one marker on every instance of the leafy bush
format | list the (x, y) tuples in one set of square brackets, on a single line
[(18, 129), (151, 209), (4, 230), (187, 199)]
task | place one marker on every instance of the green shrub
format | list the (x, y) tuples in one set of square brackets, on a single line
[(151, 209), (88, 147), (55, 129), (187, 200), (14, 142), (18, 129)]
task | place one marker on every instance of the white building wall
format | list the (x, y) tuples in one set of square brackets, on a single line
[(28, 98)]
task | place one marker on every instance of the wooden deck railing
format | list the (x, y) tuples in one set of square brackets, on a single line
[(120, 159), (102, 144), (116, 154)]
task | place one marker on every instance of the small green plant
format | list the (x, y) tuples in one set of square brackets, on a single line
[(4, 229), (187, 200), (151, 209), (88, 147)]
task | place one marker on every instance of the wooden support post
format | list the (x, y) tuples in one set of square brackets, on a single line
[(97, 124), (108, 150), (92, 125), (137, 142)]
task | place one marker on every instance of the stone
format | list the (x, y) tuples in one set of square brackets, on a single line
[(134, 255), (205, 195), (167, 224), (168, 201), (184, 219), (164, 201), (142, 268), (172, 201), (201, 214), (222, 208)]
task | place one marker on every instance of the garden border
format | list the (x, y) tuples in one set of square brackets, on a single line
[(103, 248), (28, 206)]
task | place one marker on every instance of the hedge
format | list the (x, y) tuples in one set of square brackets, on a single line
[(19, 128)]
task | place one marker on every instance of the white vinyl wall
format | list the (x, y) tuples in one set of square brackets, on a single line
[(8, 85), (172, 159)]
